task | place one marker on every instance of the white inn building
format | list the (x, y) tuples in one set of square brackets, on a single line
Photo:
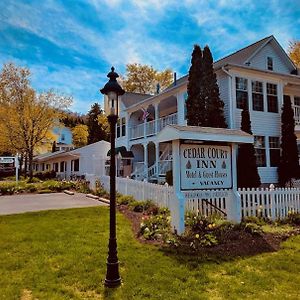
[(260, 74)]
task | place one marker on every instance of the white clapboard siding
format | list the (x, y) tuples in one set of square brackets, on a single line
[(259, 60)]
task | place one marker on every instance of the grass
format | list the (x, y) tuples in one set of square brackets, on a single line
[(62, 255)]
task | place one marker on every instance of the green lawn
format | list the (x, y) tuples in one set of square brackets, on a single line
[(62, 255)]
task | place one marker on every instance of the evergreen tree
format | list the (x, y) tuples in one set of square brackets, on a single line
[(214, 105), (195, 103), (247, 174), (289, 161), (96, 132)]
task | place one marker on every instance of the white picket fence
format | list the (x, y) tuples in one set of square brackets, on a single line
[(162, 195), (207, 202), (270, 203)]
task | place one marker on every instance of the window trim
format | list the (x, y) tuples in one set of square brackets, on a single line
[(272, 95), (238, 106), (274, 149), (257, 93), (264, 148), (271, 66)]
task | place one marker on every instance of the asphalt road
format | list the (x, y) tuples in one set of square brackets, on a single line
[(16, 204)]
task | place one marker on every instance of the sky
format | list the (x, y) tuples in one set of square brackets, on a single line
[(70, 45)]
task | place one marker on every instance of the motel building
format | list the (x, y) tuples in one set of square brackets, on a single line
[(260, 74)]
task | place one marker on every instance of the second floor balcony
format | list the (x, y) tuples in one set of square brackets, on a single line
[(151, 128)]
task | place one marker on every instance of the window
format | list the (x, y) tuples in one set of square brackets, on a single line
[(62, 166), (55, 167), (123, 122), (62, 137), (118, 128), (274, 147), (257, 96), (260, 151), (241, 92), (75, 165), (185, 96), (270, 63), (272, 97), (297, 100), (43, 166)]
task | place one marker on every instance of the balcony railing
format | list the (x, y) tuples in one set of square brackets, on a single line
[(149, 128), (297, 114)]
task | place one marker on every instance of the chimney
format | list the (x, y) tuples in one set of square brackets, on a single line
[(158, 88), (175, 78)]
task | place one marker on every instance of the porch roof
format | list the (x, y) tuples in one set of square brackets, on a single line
[(50, 156), (178, 132)]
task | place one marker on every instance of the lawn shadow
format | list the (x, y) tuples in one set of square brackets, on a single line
[(246, 246)]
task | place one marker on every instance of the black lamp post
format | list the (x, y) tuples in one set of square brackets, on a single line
[(113, 90)]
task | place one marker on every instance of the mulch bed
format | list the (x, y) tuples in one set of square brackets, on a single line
[(238, 243)]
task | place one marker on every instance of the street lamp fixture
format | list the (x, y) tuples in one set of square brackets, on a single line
[(112, 90)]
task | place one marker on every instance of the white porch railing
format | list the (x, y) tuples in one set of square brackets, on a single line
[(167, 120), (148, 128), (297, 114), (164, 166), (270, 203), (136, 131)]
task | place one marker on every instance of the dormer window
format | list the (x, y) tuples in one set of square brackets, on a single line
[(270, 63)]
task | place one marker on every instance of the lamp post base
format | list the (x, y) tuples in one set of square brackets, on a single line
[(113, 278)]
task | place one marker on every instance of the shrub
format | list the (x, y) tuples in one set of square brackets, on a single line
[(137, 206), (156, 227), (45, 175), (100, 191), (125, 200), (294, 218), (252, 228), (7, 188)]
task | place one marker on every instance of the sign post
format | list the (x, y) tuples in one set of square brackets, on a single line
[(17, 167)]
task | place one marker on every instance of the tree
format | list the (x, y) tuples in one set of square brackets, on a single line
[(195, 103), (102, 120), (289, 161), (213, 104), (143, 78), (294, 52), (247, 174), (95, 128), (80, 135), (26, 117)]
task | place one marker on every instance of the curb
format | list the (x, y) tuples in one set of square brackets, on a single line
[(97, 198), (69, 192)]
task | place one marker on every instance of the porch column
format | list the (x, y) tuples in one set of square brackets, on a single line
[(146, 160), (180, 109), (156, 118), (157, 157), (145, 127)]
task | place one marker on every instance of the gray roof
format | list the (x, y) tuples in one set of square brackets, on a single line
[(210, 130), (132, 98), (210, 134), (239, 57)]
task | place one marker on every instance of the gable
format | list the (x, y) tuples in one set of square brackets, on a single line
[(281, 63)]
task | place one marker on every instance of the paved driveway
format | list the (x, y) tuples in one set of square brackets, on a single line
[(35, 202)]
